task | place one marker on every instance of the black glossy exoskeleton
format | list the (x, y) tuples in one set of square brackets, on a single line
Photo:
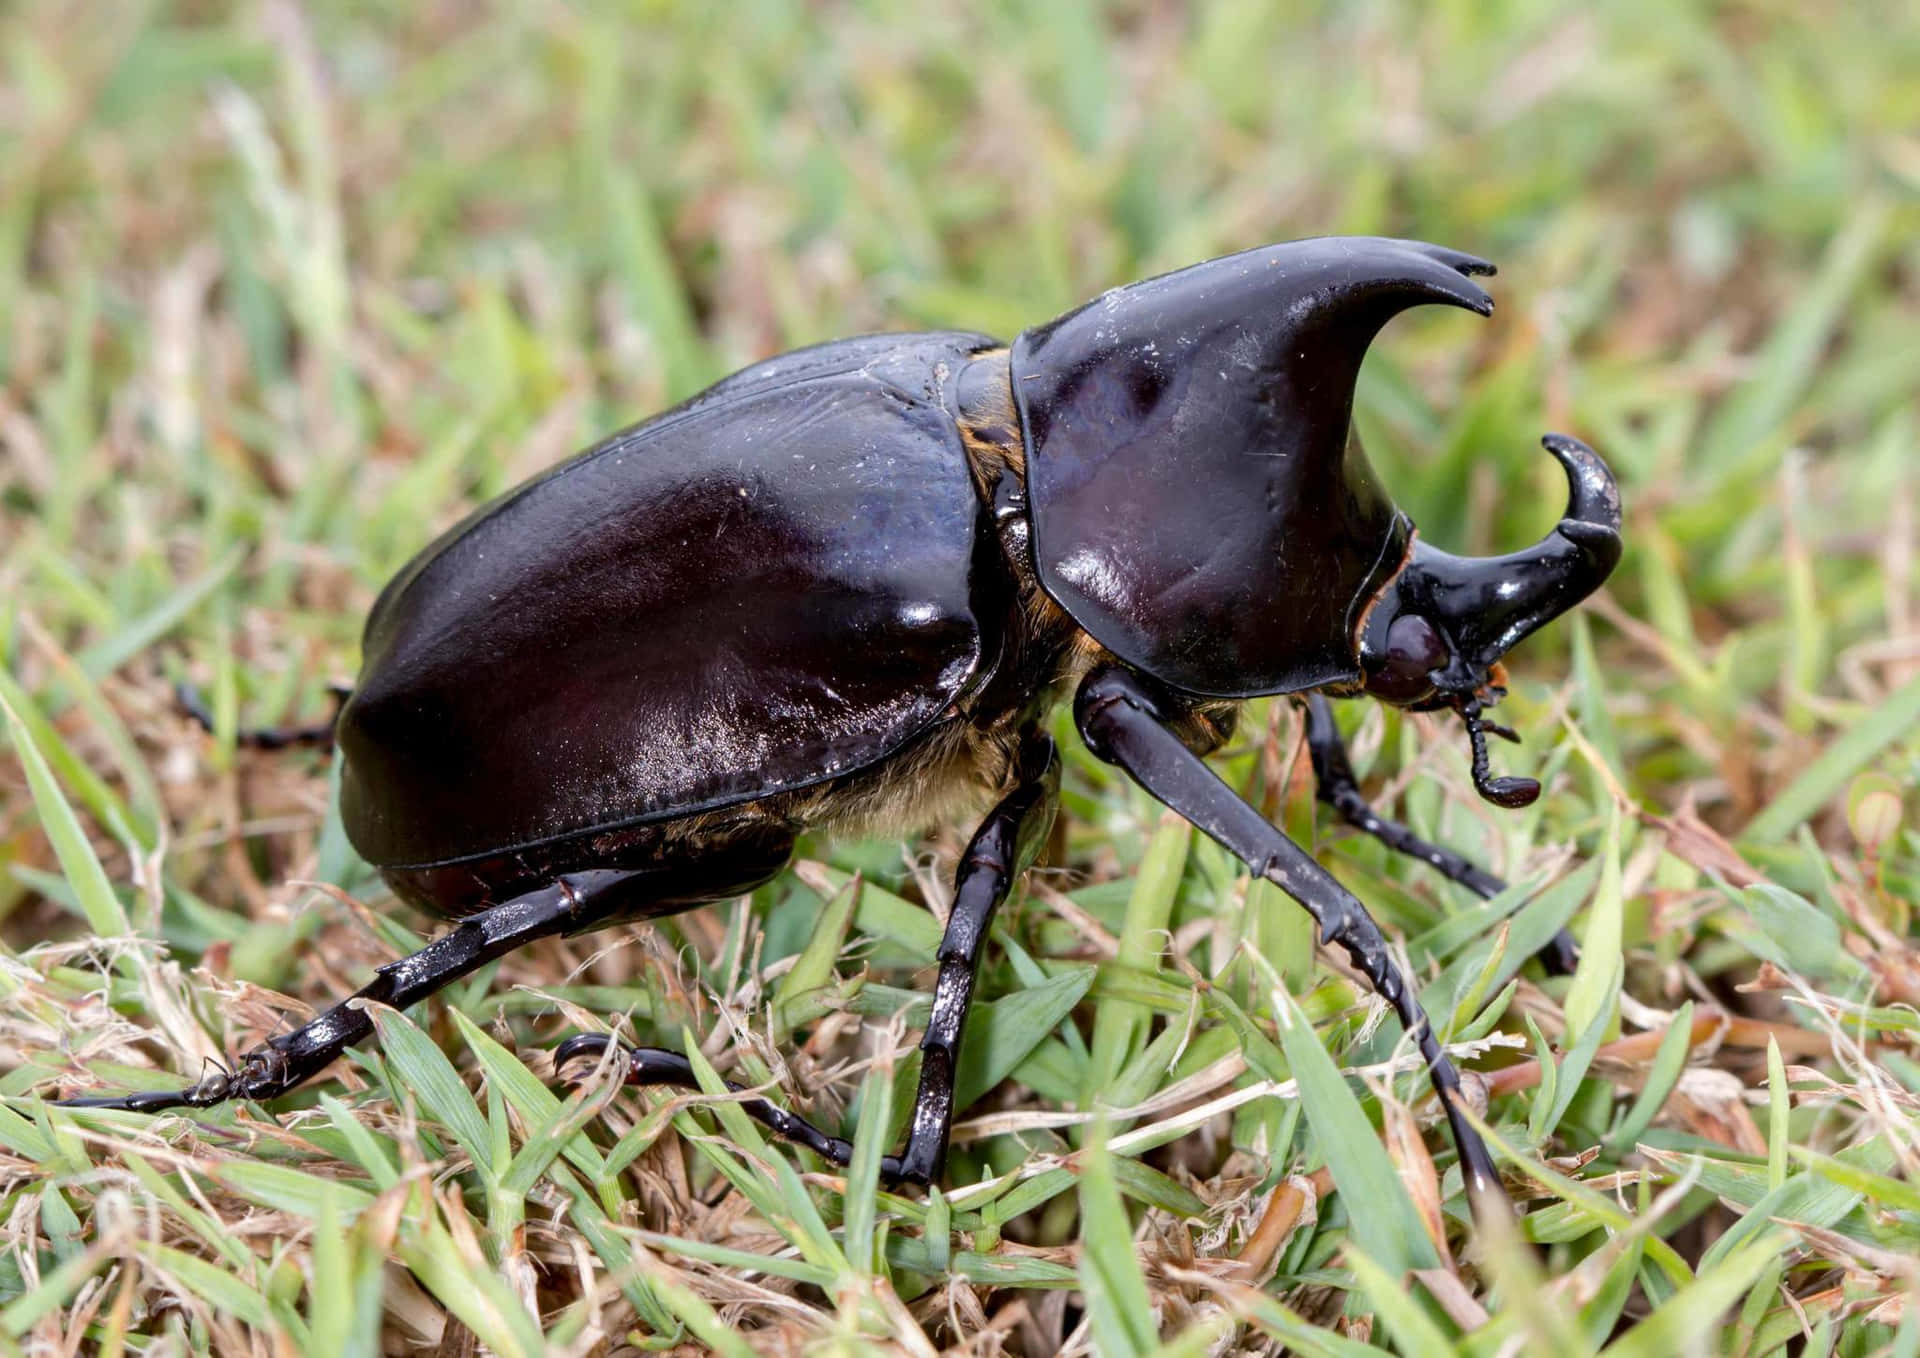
[(840, 589)]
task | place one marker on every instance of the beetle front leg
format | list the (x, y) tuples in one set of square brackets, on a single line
[(1337, 787), (1123, 722), (1001, 849)]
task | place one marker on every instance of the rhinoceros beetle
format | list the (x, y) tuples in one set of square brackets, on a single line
[(840, 590)]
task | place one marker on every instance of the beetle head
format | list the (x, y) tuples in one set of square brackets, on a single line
[(1438, 630)]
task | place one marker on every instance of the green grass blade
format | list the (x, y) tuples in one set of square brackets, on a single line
[(1826, 777), (813, 968), (1117, 1027), (1384, 1221), (1118, 1306), (1753, 414), (1694, 1311), (139, 636), (1004, 1033), (1778, 1107), (1662, 1075), (1414, 1331), (863, 1174), (784, 1199), (536, 1104), (1592, 1000), (286, 1189), (104, 914), (422, 1069)]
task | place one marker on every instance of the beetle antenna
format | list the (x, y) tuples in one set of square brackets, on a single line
[(1508, 792), (1494, 728)]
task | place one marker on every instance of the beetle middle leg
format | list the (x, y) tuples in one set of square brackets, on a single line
[(1338, 788), (1124, 721), (1008, 841)]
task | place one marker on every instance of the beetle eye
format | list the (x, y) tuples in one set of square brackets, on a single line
[(1414, 651)]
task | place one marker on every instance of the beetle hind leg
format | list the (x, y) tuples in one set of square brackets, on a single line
[(1334, 779), (570, 903), (194, 704)]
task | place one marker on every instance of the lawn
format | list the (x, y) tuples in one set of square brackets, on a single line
[(286, 289)]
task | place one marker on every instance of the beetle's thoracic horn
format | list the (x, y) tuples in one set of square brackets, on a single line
[(1198, 503), (1488, 603)]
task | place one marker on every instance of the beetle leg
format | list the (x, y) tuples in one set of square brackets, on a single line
[(1007, 841), (1338, 788), (1123, 722), (658, 1066), (281, 1063), (194, 704)]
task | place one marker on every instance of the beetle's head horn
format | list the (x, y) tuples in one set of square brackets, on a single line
[(1436, 635)]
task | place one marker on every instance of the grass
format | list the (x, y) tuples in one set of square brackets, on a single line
[(283, 290)]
